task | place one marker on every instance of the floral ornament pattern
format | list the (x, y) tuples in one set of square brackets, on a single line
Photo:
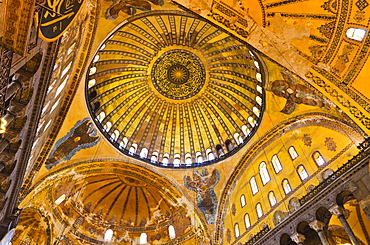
[(330, 144)]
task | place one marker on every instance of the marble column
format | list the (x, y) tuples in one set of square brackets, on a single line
[(298, 238), (318, 226), (340, 213)]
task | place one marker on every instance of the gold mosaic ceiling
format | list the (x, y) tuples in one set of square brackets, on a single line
[(174, 90)]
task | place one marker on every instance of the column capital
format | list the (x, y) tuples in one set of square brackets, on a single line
[(298, 238), (337, 211), (317, 225)]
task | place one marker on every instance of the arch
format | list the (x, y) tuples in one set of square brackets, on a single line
[(302, 172), (188, 159), (154, 157), (286, 186), (236, 230), (292, 152), (256, 111), (115, 135), (229, 145), (133, 149), (165, 159), (246, 130), (322, 214), (171, 232), (176, 160), (101, 116), (247, 221), (286, 240), (219, 150), (144, 153), (108, 235), (242, 200), (276, 163), (108, 126), (343, 197), (272, 198), (265, 177), (259, 210), (199, 157), (254, 186), (143, 238), (123, 143), (210, 155), (318, 159)]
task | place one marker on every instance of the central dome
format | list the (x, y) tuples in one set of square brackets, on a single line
[(173, 90), (178, 74)]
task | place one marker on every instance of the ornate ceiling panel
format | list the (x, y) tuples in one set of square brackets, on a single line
[(174, 90)]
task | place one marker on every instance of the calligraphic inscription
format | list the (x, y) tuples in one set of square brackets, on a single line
[(178, 74), (57, 17)]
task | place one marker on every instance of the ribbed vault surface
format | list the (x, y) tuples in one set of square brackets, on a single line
[(174, 90)]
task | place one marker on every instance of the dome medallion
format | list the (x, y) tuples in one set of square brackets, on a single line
[(173, 90), (178, 74)]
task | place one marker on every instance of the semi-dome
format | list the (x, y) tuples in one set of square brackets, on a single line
[(174, 90)]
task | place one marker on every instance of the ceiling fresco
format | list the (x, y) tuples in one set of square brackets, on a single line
[(161, 86)]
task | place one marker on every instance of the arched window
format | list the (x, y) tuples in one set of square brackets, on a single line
[(247, 221), (176, 160), (259, 77), (123, 143), (92, 70), (272, 198), (286, 186), (61, 87), (259, 100), (229, 145), (199, 157), (210, 155), (143, 238), (66, 69), (259, 88), (171, 232), (108, 235), (242, 200), (115, 135), (60, 199), (96, 58), (219, 150), (356, 34), (154, 157), (165, 159), (188, 160), (91, 83), (246, 130), (254, 186), (276, 164), (133, 149), (302, 172), (259, 210), (107, 126), (236, 230), (251, 121), (144, 153), (317, 157), (256, 111), (292, 152), (265, 177), (101, 116)]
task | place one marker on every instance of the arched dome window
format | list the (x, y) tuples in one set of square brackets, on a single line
[(171, 232), (210, 155), (154, 157), (272, 198), (286, 186), (143, 238), (199, 157), (144, 153), (246, 130), (107, 126), (265, 177), (123, 143), (91, 83), (317, 157), (165, 159), (176, 160), (188, 160), (242, 201), (133, 149), (302, 172), (108, 235), (101, 116), (259, 100), (251, 121), (92, 71), (236, 230), (256, 111), (115, 135), (247, 221), (254, 186), (292, 152), (276, 163), (259, 210)]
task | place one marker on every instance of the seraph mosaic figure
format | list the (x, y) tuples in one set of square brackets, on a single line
[(81, 136), (202, 184), (295, 93)]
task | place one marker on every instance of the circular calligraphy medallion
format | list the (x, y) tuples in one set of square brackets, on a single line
[(178, 74)]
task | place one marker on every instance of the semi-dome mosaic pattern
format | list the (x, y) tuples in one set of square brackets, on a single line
[(173, 90)]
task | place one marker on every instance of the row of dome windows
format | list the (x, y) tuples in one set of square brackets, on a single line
[(143, 239), (188, 158), (265, 177)]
